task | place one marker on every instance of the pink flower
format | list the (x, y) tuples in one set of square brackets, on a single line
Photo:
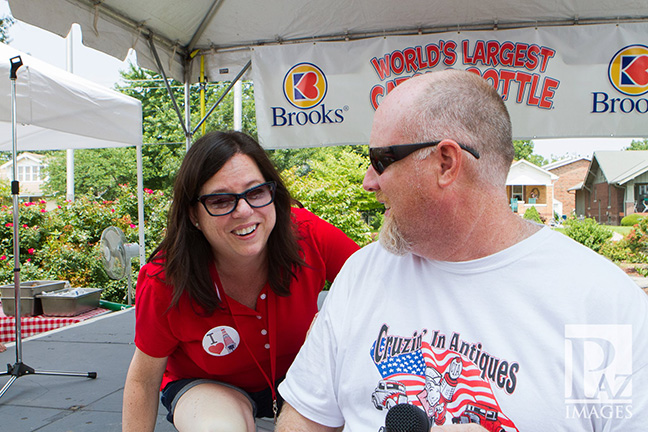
[(25, 226), (148, 191), (59, 207), (133, 226), (42, 202), (31, 251), (112, 210), (43, 211), (28, 259), (8, 224), (3, 257)]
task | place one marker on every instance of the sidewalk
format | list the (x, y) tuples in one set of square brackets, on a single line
[(64, 403), (641, 281), (75, 404)]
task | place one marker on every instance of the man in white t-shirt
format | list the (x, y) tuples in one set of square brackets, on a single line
[(464, 309)]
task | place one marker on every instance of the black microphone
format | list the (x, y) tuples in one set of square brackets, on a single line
[(406, 418)]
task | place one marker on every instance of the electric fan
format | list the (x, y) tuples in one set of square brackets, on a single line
[(116, 255)]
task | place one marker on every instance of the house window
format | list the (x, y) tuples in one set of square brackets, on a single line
[(516, 192), (29, 173)]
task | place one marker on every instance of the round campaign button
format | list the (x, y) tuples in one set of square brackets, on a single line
[(221, 341)]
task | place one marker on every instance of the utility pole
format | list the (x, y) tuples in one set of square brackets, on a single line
[(70, 152)]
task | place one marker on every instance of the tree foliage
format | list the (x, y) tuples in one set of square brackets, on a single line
[(524, 150), (99, 172), (638, 145), (5, 23), (329, 183), (64, 243)]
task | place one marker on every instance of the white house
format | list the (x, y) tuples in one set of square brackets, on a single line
[(30, 174), (528, 185)]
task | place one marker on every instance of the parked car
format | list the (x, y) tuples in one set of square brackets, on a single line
[(388, 393), (481, 414)]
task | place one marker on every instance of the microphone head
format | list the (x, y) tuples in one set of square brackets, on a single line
[(406, 418)]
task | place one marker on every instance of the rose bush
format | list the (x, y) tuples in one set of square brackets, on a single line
[(63, 243)]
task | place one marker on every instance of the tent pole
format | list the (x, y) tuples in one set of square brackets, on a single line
[(203, 85), (19, 368), (140, 204), (69, 51), (238, 106), (220, 99), (187, 95), (166, 83)]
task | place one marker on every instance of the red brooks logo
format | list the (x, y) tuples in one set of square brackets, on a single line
[(628, 70), (305, 85)]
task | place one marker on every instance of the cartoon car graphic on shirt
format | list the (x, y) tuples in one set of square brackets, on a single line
[(482, 414), (388, 393)]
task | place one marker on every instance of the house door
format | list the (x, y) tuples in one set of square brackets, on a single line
[(641, 197)]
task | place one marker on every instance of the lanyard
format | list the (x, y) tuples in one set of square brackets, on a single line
[(270, 313)]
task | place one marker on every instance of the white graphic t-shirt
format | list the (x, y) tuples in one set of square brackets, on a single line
[(545, 334)]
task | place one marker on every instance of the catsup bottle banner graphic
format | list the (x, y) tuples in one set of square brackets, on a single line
[(579, 81)]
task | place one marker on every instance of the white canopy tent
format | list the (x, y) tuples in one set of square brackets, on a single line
[(57, 110), (173, 36)]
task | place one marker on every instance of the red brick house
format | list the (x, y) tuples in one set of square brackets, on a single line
[(571, 173), (615, 186)]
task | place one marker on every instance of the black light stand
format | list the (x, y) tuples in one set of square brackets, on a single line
[(19, 368)]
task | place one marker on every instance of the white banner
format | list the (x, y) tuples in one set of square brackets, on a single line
[(557, 82)]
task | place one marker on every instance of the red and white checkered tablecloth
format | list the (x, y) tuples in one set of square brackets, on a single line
[(30, 326)]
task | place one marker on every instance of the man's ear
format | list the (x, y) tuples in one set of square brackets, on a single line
[(450, 158)]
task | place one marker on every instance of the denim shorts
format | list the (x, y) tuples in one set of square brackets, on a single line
[(261, 401)]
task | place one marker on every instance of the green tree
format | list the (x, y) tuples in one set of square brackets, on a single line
[(160, 121), (638, 145), (524, 150), (331, 187), (99, 172), (5, 23)]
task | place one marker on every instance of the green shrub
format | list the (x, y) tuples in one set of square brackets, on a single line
[(619, 252), (637, 239), (532, 214), (631, 219), (63, 244), (587, 232), (332, 189)]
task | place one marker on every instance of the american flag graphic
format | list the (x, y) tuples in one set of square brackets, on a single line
[(470, 390)]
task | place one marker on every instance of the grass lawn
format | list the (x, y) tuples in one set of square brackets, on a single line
[(623, 230)]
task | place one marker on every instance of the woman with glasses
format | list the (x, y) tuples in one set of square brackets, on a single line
[(225, 301)]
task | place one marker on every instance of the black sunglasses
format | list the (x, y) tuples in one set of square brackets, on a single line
[(221, 204), (382, 157)]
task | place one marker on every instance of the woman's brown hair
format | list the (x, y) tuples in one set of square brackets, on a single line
[(186, 253)]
